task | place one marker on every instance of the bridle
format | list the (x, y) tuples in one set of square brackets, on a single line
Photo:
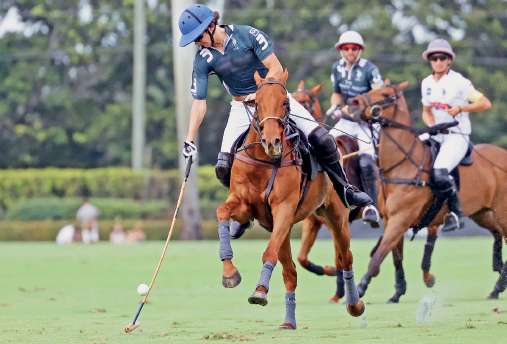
[(309, 106), (256, 124)]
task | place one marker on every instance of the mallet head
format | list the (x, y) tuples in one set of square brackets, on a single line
[(131, 327)]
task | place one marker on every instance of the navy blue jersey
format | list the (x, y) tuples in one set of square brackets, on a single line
[(361, 78), (244, 50)]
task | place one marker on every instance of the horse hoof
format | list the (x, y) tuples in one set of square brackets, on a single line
[(494, 295), (231, 281), (286, 326), (431, 282), (334, 299), (356, 310), (258, 298), (329, 270)]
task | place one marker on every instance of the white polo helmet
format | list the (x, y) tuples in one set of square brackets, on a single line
[(350, 37), (438, 46)]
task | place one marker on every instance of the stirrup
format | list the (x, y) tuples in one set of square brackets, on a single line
[(375, 221), (451, 226), (347, 205)]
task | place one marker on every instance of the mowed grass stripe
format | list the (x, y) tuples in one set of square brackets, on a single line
[(47, 294)]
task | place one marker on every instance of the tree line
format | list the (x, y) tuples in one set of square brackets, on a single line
[(66, 74)]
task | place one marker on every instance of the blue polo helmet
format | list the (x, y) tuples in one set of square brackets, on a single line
[(193, 22)]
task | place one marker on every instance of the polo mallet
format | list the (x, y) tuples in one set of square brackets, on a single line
[(356, 153), (135, 324)]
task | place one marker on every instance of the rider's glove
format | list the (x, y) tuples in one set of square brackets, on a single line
[(189, 151), (334, 111)]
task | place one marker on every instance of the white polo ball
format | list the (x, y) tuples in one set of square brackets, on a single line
[(143, 289)]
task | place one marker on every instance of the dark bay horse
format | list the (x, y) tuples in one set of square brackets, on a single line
[(403, 156), (265, 147), (313, 223)]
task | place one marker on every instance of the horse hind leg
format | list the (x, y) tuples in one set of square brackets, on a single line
[(311, 227), (485, 219), (428, 277), (230, 274)]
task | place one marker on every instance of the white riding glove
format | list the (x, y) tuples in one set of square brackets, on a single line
[(189, 151), (334, 111)]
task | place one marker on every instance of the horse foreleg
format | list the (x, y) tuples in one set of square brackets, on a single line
[(290, 279), (230, 274), (337, 219), (283, 215), (428, 277), (394, 230), (401, 284)]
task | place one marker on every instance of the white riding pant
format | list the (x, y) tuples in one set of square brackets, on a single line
[(239, 121), (453, 148), (359, 130)]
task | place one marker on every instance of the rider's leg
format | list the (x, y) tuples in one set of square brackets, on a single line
[(369, 178), (325, 149), (452, 150), (237, 124)]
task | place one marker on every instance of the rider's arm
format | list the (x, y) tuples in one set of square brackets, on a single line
[(196, 115), (275, 67), (481, 104), (427, 116), (336, 99)]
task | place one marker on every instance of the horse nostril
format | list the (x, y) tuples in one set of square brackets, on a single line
[(263, 142), (277, 142)]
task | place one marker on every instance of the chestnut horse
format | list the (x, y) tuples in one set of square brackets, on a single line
[(403, 202), (251, 172), (313, 223)]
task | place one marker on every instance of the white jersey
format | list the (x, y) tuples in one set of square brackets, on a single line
[(65, 235), (451, 89), (87, 212)]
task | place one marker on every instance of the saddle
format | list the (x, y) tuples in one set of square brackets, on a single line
[(302, 157), (467, 160)]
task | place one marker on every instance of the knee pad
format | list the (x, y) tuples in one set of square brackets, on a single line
[(324, 145), (443, 183), (223, 168)]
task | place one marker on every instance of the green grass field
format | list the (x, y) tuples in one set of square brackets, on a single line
[(87, 294)]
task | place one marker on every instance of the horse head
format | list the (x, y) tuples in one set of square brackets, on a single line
[(376, 104), (308, 98), (272, 112)]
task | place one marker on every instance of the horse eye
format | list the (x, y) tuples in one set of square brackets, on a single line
[(385, 95), (285, 103)]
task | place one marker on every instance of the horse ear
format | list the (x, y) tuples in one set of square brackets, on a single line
[(316, 89), (258, 79), (301, 85), (387, 81), (284, 77), (402, 86)]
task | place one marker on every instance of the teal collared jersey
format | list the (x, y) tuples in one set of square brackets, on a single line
[(362, 77), (244, 49)]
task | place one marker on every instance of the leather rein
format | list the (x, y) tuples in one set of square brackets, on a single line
[(275, 164)]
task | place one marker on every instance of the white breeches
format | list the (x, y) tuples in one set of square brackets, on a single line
[(239, 121), (453, 148), (359, 130)]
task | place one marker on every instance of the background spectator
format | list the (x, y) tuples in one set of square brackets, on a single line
[(88, 214), (68, 235), (136, 234), (117, 236)]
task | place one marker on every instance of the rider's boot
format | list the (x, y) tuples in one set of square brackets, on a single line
[(328, 154), (446, 184), (223, 173), (369, 179)]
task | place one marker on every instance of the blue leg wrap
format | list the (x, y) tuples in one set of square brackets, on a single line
[(316, 269), (290, 309), (267, 269), (352, 296), (428, 250), (340, 284), (225, 241)]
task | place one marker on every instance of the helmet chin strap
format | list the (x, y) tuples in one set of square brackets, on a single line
[(357, 58), (211, 34)]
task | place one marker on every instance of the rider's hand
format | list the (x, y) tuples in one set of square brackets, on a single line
[(453, 110), (334, 111), (249, 98), (189, 150)]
